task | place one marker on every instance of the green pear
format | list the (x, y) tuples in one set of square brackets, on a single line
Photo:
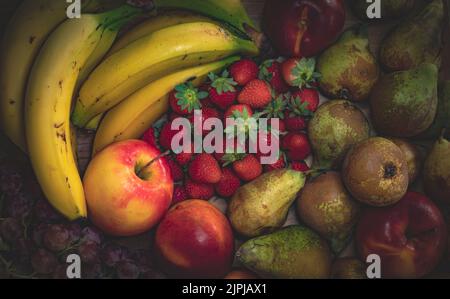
[(334, 128), (436, 173), (292, 252), (404, 104), (415, 41), (261, 206), (389, 8), (348, 69), (442, 119)]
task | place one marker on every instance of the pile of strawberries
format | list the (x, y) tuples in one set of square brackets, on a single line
[(278, 88)]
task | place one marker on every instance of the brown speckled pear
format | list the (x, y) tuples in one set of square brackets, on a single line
[(375, 172), (326, 206)]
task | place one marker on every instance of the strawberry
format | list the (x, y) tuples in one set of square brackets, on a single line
[(167, 134), (299, 166), (186, 98), (300, 72), (264, 138), (294, 122), (281, 124), (296, 145), (197, 190), (205, 169), (206, 114), (239, 111), (179, 194), (222, 92), (247, 168), (280, 164), (244, 71), (228, 183), (175, 170), (150, 137), (270, 71), (257, 94), (184, 157), (304, 101)]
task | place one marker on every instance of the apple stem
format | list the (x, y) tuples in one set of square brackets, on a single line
[(152, 161)]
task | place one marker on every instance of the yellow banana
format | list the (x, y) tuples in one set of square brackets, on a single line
[(162, 20), (26, 32), (48, 99), (135, 114), (150, 58)]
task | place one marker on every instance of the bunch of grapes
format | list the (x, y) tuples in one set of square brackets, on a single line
[(35, 240)]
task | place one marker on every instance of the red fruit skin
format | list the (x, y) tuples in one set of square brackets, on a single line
[(206, 114), (286, 70), (410, 237), (175, 170), (121, 203), (173, 101), (309, 95), (228, 184), (303, 28), (179, 194), (300, 166), (239, 108), (183, 158), (256, 94), (199, 190), (173, 115), (296, 145), (204, 168), (194, 240), (167, 134), (244, 71), (280, 164), (248, 168), (223, 100), (294, 123), (277, 81), (150, 138)]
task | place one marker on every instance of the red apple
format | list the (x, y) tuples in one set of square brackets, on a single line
[(410, 237), (125, 197), (303, 28), (195, 240)]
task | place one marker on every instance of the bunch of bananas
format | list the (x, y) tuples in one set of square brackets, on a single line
[(56, 73)]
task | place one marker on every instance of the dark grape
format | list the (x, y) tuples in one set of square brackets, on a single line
[(112, 254), (150, 273), (60, 272), (89, 252), (45, 213), (91, 234), (127, 270), (56, 238), (43, 261), (11, 229), (38, 233), (91, 271), (10, 183), (74, 230), (19, 205), (142, 257)]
